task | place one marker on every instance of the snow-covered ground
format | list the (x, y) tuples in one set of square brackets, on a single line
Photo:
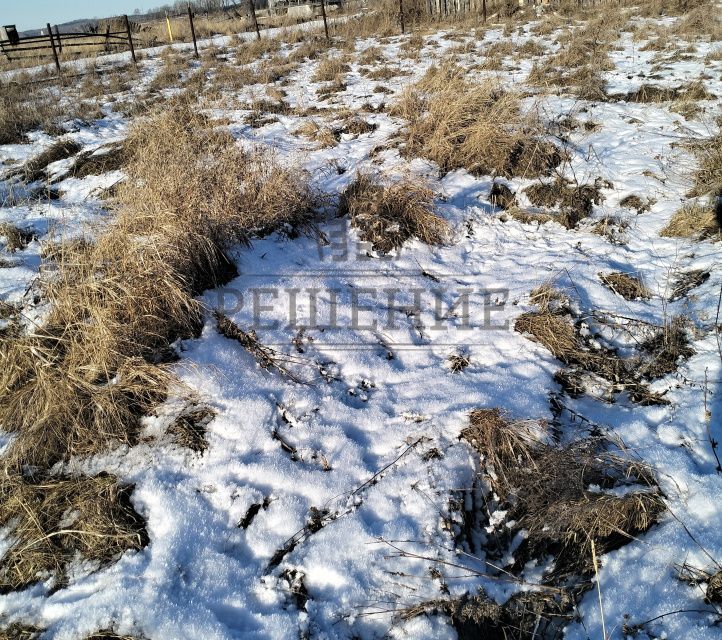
[(369, 439)]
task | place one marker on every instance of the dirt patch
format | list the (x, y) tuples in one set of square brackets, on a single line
[(389, 215), (628, 286), (53, 519)]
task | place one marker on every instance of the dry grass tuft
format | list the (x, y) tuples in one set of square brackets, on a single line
[(189, 428), (99, 161), (36, 167), (574, 201), (324, 136), (52, 520), (16, 238), (458, 362), (502, 196), (628, 286), (23, 109), (708, 178), (685, 281), (562, 496), (389, 215), (478, 127), (569, 339), (329, 68), (694, 221)]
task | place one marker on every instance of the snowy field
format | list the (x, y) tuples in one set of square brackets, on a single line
[(323, 504)]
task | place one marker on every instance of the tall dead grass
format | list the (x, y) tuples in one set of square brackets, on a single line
[(476, 126), (80, 383)]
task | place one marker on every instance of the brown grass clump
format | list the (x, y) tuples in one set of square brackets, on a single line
[(685, 281), (16, 238), (628, 286), (53, 519), (389, 215), (561, 496), (99, 161), (478, 127), (82, 381), (708, 177), (20, 632), (573, 201), (36, 167), (189, 428), (694, 221), (502, 196), (329, 68), (323, 135), (566, 335)]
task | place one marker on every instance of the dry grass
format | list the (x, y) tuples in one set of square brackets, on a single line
[(479, 127), (568, 337), (553, 493), (329, 68), (696, 221), (708, 177), (36, 167), (16, 238), (573, 201), (684, 281), (189, 428), (628, 286), (54, 519), (389, 215), (81, 382), (323, 135), (24, 108)]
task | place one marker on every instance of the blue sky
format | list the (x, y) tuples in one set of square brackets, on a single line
[(34, 14)]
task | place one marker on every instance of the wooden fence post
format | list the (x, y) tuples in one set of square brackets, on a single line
[(55, 51), (193, 29), (323, 13), (255, 20), (60, 42), (401, 16), (483, 10), (130, 39)]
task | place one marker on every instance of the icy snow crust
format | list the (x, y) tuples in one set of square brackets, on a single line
[(202, 576)]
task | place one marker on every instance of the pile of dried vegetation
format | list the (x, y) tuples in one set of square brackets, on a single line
[(389, 215), (589, 360), (479, 127), (573, 202), (573, 502), (81, 382)]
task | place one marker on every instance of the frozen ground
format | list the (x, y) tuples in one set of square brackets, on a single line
[(368, 442)]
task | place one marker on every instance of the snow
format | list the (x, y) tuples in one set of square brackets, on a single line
[(204, 576)]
